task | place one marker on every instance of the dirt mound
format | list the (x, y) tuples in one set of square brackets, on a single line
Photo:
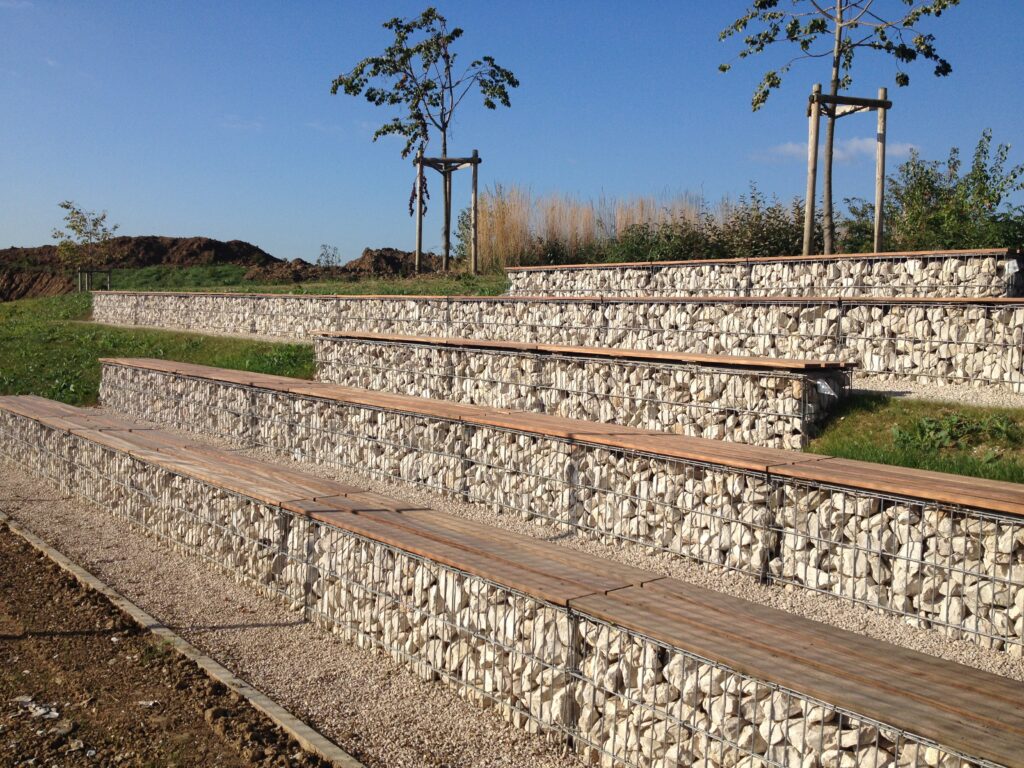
[(15, 284), (391, 262), (28, 272), (150, 250)]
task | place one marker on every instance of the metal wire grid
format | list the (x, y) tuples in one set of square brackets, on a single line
[(749, 278), (579, 499), (714, 713), (938, 565), (481, 320), (578, 665), (558, 384), (760, 525)]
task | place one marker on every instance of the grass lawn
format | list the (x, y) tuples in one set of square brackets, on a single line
[(960, 439), (229, 277), (43, 351)]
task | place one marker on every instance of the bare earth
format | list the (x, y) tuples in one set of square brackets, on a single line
[(81, 684)]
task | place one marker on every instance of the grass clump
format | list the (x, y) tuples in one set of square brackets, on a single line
[(958, 439), (46, 350)]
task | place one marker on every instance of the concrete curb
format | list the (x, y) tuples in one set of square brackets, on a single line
[(308, 738)]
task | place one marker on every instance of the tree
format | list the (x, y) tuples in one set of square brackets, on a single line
[(329, 256), (418, 73), (932, 205), (85, 241), (835, 31)]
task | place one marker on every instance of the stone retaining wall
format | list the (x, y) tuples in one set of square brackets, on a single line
[(987, 274), (958, 570), (619, 697), (778, 409), (980, 343)]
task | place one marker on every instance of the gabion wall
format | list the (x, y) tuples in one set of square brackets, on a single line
[(620, 698), (778, 409), (986, 275), (952, 342), (958, 570)]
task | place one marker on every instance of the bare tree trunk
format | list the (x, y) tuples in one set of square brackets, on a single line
[(828, 219)]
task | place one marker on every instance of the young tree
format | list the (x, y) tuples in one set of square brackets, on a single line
[(329, 256), (84, 243), (418, 73), (834, 31)]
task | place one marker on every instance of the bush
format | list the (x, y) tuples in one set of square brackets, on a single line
[(931, 205)]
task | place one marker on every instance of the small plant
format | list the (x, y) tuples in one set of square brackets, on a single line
[(955, 431)]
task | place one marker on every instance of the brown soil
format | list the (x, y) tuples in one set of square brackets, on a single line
[(22, 285), (81, 684), (391, 262), (379, 262), (149, 251)]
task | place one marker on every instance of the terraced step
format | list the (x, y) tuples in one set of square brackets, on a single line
[(760, 401), (980, 273), (631, 668), (979, 342), (940, 550)]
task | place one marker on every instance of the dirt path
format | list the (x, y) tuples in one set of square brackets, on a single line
[(80, 684)]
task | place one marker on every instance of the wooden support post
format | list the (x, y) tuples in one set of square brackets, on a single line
[(79, 281), (109, 273), (447, 177), (419, 210), (880, 172), (474, 258), (812, 166)]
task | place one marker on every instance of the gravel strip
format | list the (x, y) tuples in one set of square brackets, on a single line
[(959, 394), (363, 700), (818, 607)]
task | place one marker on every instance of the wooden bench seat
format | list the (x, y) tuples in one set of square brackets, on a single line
[(977, 493), (608, 353)]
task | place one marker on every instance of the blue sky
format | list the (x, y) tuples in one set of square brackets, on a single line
[(199, 118)]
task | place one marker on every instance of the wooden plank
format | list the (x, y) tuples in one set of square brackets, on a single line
[(849, 301), (888, 255), (914, 698), (610, 353), (380, 526), (825, 642), (919, 484)]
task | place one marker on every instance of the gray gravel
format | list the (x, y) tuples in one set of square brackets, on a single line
[(958, 394), (818, 607), (363, 700)]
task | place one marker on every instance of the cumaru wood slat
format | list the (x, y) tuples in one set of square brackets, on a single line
[(888, 255), (608, 353), (972, 492), (794, 300), (976, 712), (961, 708)]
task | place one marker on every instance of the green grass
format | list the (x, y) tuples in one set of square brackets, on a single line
[(427, 285), (168, 278), (45, 351), (959, 439), (230, 277)]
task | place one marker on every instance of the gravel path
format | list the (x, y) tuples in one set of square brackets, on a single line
[(812, 605), (964, 394), (363, 700)]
